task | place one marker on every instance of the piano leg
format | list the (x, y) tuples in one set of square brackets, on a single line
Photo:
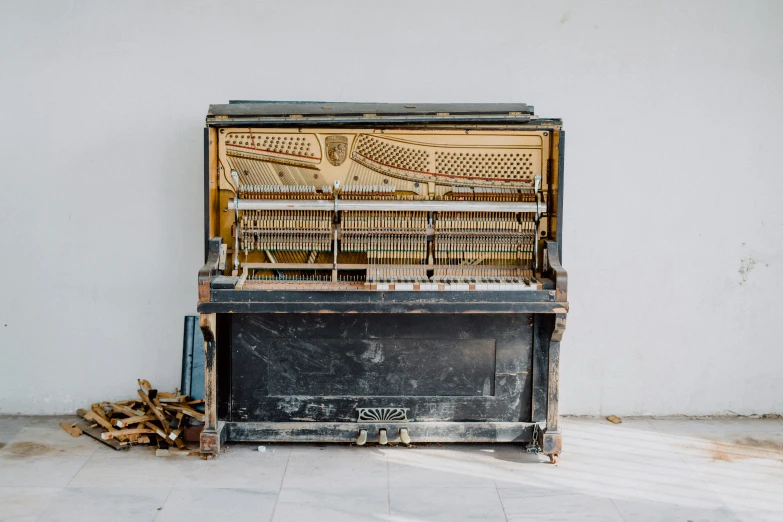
[(214, 433), (552, 439)]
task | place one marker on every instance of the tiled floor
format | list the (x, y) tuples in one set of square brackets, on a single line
[(673, 469)]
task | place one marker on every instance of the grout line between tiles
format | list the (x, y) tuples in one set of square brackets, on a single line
[(94, 451), (280, 489), (617, 510), (163, 506), (497, 492)]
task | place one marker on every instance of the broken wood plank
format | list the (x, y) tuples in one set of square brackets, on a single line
[(174, 452), (123, 423), (130, 412), (156, 429), (177, 399), (93, 416), (178, 441), (98, 410), (135, 431), (176, 422), (94, 432), (72, 430), (187, 411), (154, 409)]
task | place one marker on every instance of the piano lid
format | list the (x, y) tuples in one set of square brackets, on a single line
[(276, 111)]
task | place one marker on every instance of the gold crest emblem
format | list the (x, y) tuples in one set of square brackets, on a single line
[(336, 149)]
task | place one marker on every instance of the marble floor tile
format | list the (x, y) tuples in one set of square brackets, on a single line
[(359, 471), (640, 511), (339, 451), (445, 504), (419, 468), (561, 507), (643, 469), (240, 467), (25, 504), (748, 484), (50, 440), (230, 504), (333, 505), (715, 427), (31, 459), (129, 504), (137, 467)]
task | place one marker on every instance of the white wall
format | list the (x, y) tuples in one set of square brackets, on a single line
[(673, 220)]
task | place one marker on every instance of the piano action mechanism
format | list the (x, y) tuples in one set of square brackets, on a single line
[(382, 272)]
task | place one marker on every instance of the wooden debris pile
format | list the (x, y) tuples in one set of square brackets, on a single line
[(154, 418)]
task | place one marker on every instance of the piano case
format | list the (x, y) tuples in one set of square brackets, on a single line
[(320, 362)]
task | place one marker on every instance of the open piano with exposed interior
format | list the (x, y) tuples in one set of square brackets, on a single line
[(382, 273)]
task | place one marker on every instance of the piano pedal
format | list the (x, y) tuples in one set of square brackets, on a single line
[(382, 440), (404, 437), (362, 438)]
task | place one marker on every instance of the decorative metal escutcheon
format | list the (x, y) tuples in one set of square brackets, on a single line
[(382, 415)]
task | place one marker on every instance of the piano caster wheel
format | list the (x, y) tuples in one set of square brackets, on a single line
[(382, 440), (362, 438), (554, 458), (404, 437)]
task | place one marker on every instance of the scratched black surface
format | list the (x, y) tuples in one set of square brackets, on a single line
[(321, 367)]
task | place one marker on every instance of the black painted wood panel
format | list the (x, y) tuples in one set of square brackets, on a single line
[(368, 367), (322, 367)]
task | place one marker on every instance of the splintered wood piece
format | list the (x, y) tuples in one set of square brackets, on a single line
[(122, 423), (144, 384), (113, 434), (95, 432), (161, 442), (127, 410), (614, 419), (174, 435), (177, 439), (172, 452), (143, 439), (81, 412), (154, 410), (159, 407), (93, 416), (156, 430), (173, 398), (72, 430), (176, 423), (199, 401), (98, 409), (187, 411)]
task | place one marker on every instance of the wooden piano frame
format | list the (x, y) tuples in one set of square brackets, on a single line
[(257, 341)]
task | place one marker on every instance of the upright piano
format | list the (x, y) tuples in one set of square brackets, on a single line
[(382, 273)]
